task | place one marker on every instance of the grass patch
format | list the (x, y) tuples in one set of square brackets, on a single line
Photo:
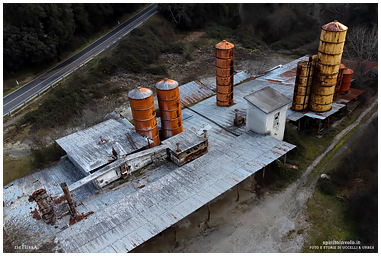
[(345, 208), (159, 70), (45, 155), (220, 33), (327, 216), (140, 171), (15, 168), (178, 48)]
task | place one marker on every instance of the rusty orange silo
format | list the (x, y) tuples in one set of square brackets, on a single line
[(144, 114), (224, 72), (339, 81), (168, 96), (330, 50), (346, 81)]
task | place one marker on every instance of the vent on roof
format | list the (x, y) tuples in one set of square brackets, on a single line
[(102, 141)]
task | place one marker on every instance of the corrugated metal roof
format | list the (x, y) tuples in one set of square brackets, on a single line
[(177, 192), (187, 140), (164, 202), (283, 80), (267, 99), (89, 152), (194, 91)]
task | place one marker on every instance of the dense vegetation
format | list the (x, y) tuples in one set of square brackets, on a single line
[(35, 34), (280, 26), (141, 48), (353, 189)]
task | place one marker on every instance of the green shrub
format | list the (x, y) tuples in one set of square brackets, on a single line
[(294, 41), (286, 174), (107, 65), (160, 70), (326, 187), (43, 156), (178, 48), (249, 40), (188, 56), (220, 33), (139, 49), (291, 136)]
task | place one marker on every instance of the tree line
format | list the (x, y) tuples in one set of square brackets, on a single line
[(35, 34), (278, 25)]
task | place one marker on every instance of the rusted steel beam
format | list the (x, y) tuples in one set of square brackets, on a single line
[(69, 199)]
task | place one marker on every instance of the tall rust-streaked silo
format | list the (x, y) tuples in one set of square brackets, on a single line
[(144, 114), (168, 96), (339, 80), (303, 82), (346, 81), (224, 71), (331, 46)]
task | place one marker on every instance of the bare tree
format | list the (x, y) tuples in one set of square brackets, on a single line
[(176, 11), (281, 19), (362, 45)]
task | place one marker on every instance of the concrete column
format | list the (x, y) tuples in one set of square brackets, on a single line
[(237, 200)]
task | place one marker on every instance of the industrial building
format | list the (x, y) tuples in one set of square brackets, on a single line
[(204, 150), (266, 112)]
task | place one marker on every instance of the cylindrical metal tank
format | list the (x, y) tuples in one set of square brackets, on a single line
[(346, 80), (339, 80), (225, 73), (303, 82), (144, 114), (331, 46), (168, 96)]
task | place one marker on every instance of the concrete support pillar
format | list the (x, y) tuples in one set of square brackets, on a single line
[(237, 200), (174, 231), (285, 158), (208, 212)]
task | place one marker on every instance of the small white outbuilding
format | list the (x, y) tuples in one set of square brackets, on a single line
[(266, 112)]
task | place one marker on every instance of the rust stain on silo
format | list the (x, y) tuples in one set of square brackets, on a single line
[(225, 73), (339, 81), (144, 115), (346, 80), (331, 46), (168, 96)]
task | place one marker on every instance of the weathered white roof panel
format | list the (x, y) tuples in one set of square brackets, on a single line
[(87, 150), (267, 99)]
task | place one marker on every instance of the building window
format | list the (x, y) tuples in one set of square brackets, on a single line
[(276, 120)]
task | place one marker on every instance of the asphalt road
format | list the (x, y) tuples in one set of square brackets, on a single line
[(26, 92)]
